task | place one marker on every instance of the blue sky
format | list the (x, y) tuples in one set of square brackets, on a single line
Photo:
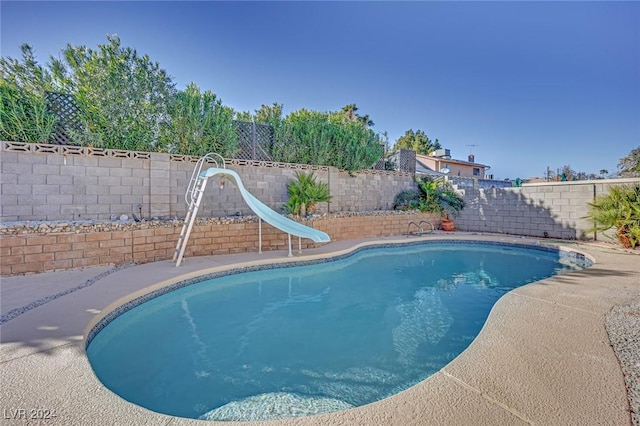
[(531, 84)]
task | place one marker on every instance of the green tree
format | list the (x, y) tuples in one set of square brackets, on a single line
[(27, 74), (124, 97), (629, 166), (417, 141), (244, 116), (269, 114), (305, 138), (567, 173), (23, 112), (23, 116), (312, 137), (353, 145), (349, 111), (199, 124)]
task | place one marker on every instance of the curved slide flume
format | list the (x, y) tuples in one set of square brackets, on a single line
[(265, 213)]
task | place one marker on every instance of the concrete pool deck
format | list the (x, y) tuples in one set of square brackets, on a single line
[(543, 356)]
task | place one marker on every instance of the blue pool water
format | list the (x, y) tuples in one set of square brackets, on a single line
[(310, 339)]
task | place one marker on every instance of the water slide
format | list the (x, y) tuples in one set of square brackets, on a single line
[(264, 212)]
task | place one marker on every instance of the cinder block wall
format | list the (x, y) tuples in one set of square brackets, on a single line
[(34, 253), (50, 182), (74, 183), (266, 181), (554, 209), (367, 190)]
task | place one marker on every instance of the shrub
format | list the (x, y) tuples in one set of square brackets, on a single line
[(23, 116), (304, 193), (23, 112), (432, 195), (199, 124), (406, 200), (123, 96), (326, 139), (619, 209)]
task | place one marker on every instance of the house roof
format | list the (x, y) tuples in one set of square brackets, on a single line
[(421, 168), (449, 160), (424, 169)]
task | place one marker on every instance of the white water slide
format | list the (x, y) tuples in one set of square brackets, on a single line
[(196, 189)]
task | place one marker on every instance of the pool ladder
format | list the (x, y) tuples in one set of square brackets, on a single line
[(193, 198), (419, 226)]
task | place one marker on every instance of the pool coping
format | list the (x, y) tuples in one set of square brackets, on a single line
[(502, 377)]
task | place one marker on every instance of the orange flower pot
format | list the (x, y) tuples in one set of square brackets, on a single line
[(447, 225)]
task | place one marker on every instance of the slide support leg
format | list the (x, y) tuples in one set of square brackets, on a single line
[(290, 245), (259, 235)]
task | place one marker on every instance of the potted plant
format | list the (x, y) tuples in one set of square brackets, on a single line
[(451, 204), (304, 193), (619, 209), (447, 224)]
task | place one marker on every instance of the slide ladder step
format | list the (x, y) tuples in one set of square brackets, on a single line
[(196, 198)]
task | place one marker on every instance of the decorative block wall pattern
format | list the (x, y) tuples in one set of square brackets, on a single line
[(55, 182)]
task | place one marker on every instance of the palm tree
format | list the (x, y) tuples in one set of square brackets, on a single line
[(350, 111), (365, 120), (629, 166)]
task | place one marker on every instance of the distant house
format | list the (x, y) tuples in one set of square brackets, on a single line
[(440, 163), (535, 180)]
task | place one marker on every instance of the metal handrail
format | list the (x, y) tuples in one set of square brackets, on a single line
[(191, 194), (419, 227), (430, 224)]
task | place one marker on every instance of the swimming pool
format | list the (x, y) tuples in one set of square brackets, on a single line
[(309, 339)]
